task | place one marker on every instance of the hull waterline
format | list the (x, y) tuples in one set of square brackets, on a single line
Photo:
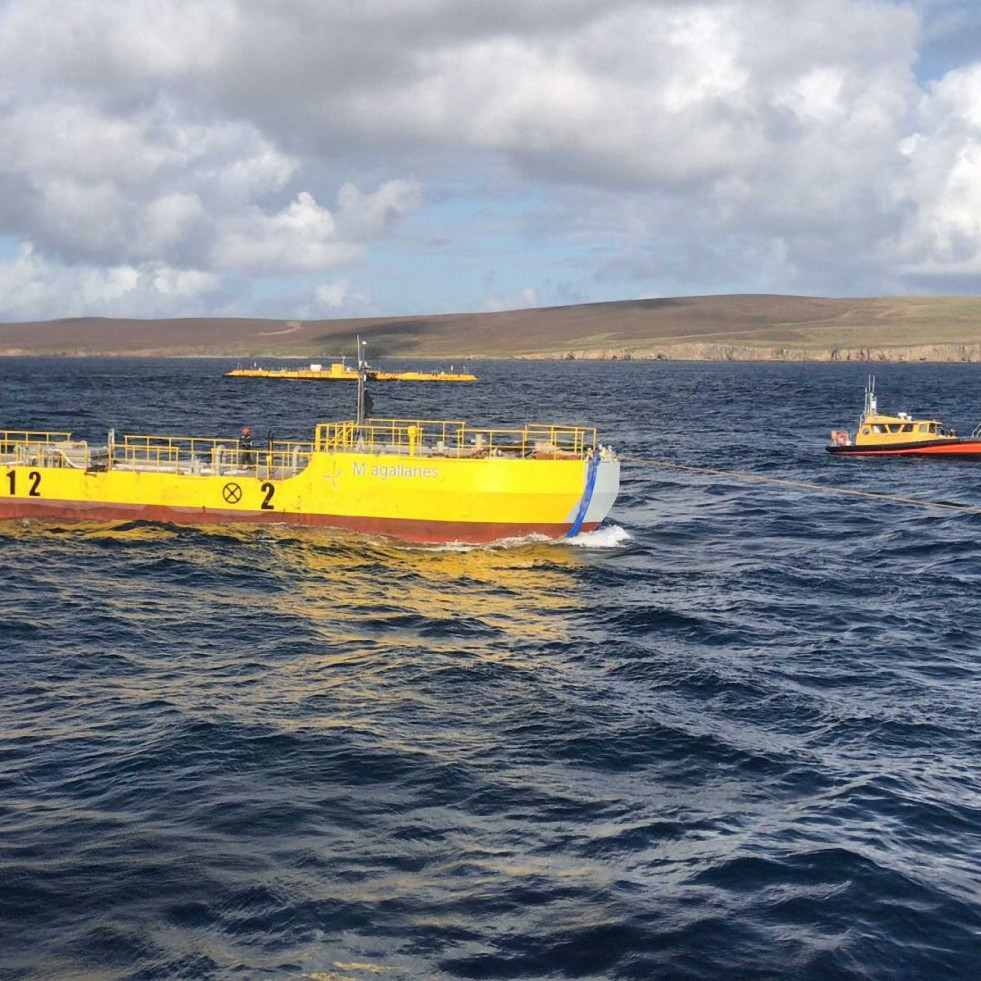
[(404, 529), (948, 449)]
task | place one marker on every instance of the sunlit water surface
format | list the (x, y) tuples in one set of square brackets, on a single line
[(732, 734)]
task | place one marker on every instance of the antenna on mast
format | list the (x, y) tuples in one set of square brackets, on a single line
[(871, 406), (362, 378)]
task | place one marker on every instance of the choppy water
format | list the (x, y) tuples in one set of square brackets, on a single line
[(733, 734)]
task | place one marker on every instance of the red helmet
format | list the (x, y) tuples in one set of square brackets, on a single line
[(246, 430)]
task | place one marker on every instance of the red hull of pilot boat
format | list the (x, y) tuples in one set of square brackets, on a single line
[(950, 449)]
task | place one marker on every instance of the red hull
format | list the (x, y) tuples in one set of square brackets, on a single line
[(951, 449), (431, 532)]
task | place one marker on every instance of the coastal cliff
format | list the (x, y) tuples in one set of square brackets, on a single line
[(937, 353), (740, 327)]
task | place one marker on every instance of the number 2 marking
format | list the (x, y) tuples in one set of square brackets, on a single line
[(270, 489)]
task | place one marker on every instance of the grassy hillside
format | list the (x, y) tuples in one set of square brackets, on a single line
[(716, 327)]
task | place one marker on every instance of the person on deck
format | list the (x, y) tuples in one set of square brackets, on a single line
[(247, 447)]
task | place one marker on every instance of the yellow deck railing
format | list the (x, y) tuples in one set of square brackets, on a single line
[(29, 436), (168, 454), (202, 455), (429, 437), (42, 449), (277, 459)]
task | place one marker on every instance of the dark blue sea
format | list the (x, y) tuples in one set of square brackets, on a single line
[(734, 734)]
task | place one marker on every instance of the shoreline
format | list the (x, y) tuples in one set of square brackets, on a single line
[(968, 353), (743, 356), (943, 353)]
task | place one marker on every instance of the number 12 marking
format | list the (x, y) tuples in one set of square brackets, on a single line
[(34, 477)]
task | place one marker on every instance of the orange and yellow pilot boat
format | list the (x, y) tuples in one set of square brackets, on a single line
[(881, 434), (413, 479)]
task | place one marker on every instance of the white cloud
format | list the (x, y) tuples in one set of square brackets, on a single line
[(189, 136), (942, 187), (32, 287), (370, 216), (521, 299), (332, 295), (91, 40), (300, 237), (340, 299), (150, 185)]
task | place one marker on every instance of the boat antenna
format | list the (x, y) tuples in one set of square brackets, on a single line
[(362, 378), (871, 403)]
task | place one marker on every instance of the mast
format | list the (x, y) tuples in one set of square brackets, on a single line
[(871, 403), (362, 378)]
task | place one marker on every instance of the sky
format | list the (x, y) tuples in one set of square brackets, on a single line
[(310, 159)]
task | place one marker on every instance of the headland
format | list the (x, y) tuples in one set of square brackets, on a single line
[(737, 327)]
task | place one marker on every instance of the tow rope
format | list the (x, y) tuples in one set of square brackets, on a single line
[(807, 485)]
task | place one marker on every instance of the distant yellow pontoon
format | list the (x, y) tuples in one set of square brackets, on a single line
[(339, 371)]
